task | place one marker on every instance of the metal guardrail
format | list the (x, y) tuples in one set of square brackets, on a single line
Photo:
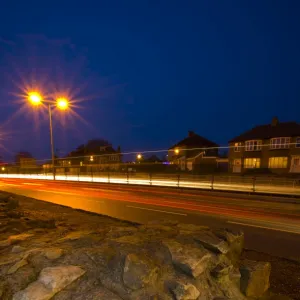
[(279, 186)]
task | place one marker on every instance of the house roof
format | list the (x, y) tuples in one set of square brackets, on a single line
[(279, 129), (195, 141)]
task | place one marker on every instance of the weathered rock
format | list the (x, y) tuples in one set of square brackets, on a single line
[(255, 278), (235, 277), (229, 288), (50, 224), (98, 294), (190, 228), (56, 278), (19, 238), (185, 291), (35, 291), (138, 271), (159, 230), (17, 249), (116, 232), (235, 240), (221, 270), (150, 293), (75, 235), (191, 260), (53, 253), (4, 243), (211, 242), (17, 266), (130, 239), (51, 281), (12, 203), (163, 222), (9, 259)]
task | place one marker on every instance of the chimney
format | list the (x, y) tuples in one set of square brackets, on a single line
[(275, 121), (191, 133)]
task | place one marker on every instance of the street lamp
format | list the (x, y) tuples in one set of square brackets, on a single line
[(139, 156), (36, 99), (176, 151)]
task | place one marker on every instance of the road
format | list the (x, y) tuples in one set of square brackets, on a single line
[(222, 183), (271, 227)]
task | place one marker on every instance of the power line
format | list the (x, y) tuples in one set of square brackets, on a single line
[(254, 148)]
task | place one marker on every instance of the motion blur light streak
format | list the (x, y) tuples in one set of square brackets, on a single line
[(263, 188)]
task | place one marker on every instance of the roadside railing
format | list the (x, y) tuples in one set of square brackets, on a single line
[(259, 184)]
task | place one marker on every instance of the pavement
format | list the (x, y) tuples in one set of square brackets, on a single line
[(272, 227)]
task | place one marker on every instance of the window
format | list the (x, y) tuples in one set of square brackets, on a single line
[(250, 163), (254, 145), (237, 147), (280, 143), (298, 142), (278, 162)]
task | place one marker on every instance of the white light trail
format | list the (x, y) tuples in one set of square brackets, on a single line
[(246, 187)]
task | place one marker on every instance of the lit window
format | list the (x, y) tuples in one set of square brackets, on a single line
[(251, 163), (280, 143), (237, 147), (278, 162), (254, 145), (81, 163), (298, 142), (91, 158)]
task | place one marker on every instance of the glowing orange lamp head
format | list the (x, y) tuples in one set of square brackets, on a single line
[(35, 98), (62, 103)]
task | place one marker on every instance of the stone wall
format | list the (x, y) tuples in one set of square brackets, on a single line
[(45, 259)]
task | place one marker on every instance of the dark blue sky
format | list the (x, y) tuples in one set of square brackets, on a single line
[(150, 70)]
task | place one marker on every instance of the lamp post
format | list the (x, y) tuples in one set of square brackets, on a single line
[(36, 99)]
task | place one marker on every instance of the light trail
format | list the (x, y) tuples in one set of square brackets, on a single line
[(261, 188)]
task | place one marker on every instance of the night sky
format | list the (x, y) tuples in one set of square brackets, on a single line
[(146, 72)]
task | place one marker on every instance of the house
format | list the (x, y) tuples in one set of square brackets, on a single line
[(194, 153), (272, 148), (24, 160), (95, 155)]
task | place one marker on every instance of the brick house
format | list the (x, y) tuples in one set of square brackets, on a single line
[(194, 153), (271, 148), (95, 155)]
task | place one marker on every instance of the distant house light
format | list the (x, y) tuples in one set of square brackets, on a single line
[(91, 158)]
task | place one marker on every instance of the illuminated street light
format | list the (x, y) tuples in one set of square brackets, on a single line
[(139, 156), (91, 158), (35, 98), (3, 168), (61, 103), (176, 151)]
